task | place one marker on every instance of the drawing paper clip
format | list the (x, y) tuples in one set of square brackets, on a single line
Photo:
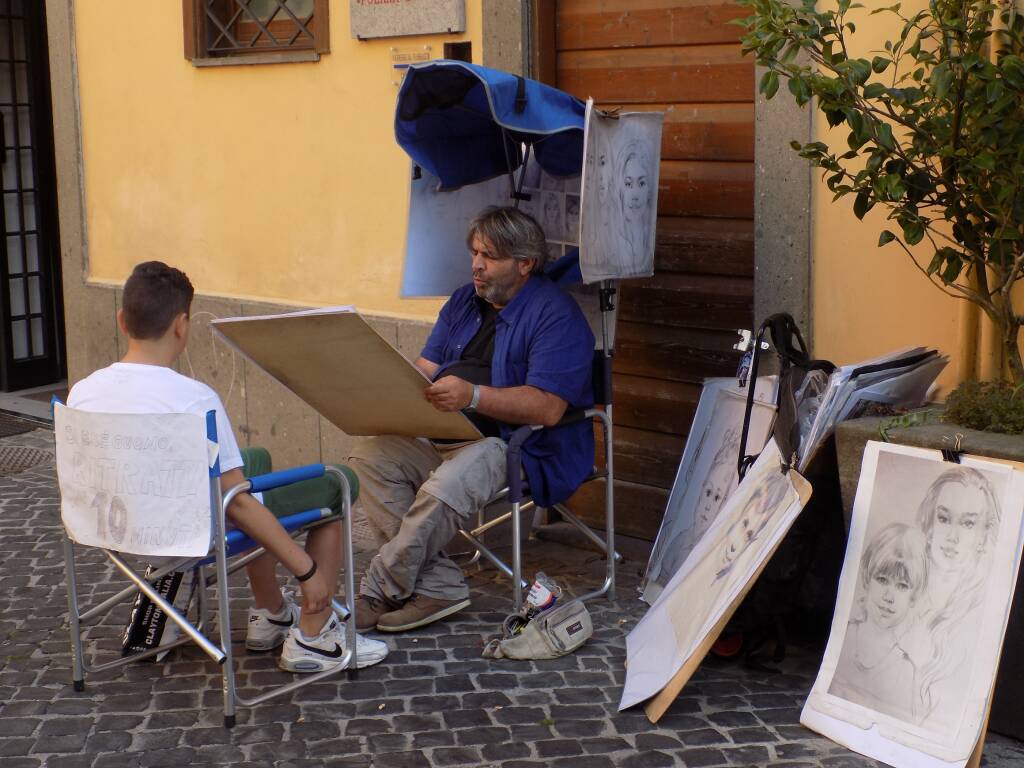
[(953, 455)]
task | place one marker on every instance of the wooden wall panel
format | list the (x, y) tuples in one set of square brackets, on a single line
[(587, 24), (677, 328), (681, 74)]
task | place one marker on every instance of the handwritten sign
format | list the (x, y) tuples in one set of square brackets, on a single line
[(134, 483), (394, 18)]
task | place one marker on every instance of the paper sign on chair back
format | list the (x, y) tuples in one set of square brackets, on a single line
[(134, 483)]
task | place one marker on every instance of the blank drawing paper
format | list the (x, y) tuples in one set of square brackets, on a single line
[(335, 362)]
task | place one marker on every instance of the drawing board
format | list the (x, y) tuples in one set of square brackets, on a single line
[(619, 198), (707, 472), (347, 372), (923, 602), (667, 644)]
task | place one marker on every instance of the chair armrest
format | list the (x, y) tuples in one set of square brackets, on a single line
[(285, 477)]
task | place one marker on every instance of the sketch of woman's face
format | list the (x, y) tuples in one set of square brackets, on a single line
[(889, 597), (957, 536), (635, 192)]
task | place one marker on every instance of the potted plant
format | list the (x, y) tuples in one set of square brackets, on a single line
[(936, 134)]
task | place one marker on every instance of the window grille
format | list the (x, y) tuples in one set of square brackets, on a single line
[(236, 28)]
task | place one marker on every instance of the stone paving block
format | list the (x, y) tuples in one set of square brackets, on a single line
[(657, 741), (589, 761), (444, 756), (697, 758), (648, 759), (411, 759), (433, 739), (558, 748), (504, 751), (387, 742), (477, 736)]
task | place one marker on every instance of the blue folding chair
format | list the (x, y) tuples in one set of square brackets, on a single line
[(176, 514)]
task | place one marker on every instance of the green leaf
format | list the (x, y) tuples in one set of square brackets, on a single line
[(879, 64), (985, 160), (862, 204), (884, 136), (885, 238), (769, 83), (913, 232), (941, 80), (874, 90)]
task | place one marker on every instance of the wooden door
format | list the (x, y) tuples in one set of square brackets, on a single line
[(32, 333), (678, 327)]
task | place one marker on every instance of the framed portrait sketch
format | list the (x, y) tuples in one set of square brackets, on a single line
[(619, 198), (707, 472), (666, 646), (923, 602)]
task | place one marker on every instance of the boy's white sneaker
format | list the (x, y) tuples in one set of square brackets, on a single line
[(266, 630), (302, 654)]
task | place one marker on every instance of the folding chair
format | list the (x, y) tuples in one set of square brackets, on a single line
[(517, 493), (149, 486)]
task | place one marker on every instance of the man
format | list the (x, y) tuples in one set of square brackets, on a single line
[(155, 320), (508, 349)]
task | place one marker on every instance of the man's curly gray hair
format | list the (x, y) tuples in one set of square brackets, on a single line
[(513, 234)]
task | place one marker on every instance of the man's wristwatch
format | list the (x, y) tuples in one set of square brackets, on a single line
[(474, 401)]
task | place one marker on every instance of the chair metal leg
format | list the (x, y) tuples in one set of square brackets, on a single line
[(74, 624), (517, 560), (224, 614)]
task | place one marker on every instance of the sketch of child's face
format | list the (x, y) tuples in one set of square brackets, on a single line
[(716, 487), (958, 527), (889, 597), (634, 188), (744, 530)]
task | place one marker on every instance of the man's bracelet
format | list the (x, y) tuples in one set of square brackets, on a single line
[(474, 401), (308, 574)]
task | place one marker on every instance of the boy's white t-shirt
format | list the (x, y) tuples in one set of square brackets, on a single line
[(139, 388)]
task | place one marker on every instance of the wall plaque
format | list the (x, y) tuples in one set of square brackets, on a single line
[(393, 18)]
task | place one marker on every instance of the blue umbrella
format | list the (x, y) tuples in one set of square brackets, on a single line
[(465, 123)]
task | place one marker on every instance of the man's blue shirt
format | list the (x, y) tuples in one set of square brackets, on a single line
[(542, 340)]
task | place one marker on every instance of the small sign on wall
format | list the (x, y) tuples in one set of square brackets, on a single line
[(394, 18)]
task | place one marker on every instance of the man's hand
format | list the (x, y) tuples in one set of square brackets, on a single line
[(449, 393), (316, 594)]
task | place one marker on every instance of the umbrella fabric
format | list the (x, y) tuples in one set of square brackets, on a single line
[(465, 123)]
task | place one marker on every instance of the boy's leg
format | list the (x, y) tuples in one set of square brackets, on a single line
[(323, 543), (266, 591)]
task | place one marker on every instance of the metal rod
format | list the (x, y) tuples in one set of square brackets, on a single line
[(517, 561), (77, 667), (219, 502), (172, 613), (120, 597), (585, 530), (496, 561)]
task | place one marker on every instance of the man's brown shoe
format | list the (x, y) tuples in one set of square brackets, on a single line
[(418, 611), (369, 610)]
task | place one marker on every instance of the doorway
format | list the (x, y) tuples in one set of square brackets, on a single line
[(31, 308)]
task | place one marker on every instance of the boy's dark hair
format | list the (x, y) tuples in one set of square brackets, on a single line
[(154, 295)]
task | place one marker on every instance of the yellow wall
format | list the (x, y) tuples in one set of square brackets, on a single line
[(280, 182), (868, 300)]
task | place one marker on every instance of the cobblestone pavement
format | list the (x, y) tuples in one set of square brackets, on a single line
[(434, 701)]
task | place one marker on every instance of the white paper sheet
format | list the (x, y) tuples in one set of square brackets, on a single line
[(923, 602), (619, 198), (136, 484), (707, 472), (720, 566)]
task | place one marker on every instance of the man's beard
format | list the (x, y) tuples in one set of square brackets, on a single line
[(497, 293)]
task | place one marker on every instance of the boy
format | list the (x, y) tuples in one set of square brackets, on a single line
[(155, 320)]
